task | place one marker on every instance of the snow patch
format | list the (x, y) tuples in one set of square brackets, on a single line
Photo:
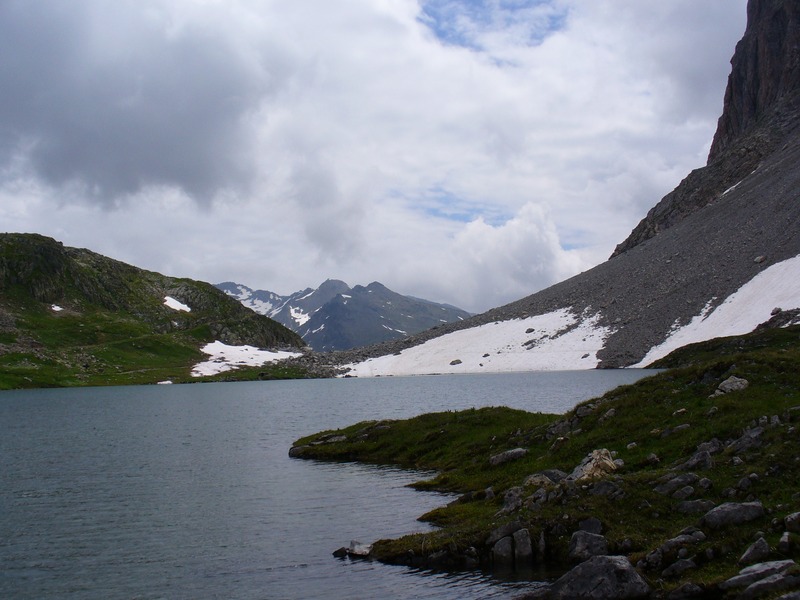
[(559, 340), (299, 316), (227, 358), (742, 311), (176, 304)]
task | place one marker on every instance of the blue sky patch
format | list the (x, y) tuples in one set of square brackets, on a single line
[(464, 22)]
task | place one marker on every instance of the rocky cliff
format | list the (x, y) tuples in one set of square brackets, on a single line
[(760, 111)]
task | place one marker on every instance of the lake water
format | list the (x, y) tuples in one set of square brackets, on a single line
[(187, 491)]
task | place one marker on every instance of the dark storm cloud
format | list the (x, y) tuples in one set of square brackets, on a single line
[(115, 96)]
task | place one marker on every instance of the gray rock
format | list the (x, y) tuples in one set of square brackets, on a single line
[(503, 552), (601, 578), (750, 439), (712, 447), (591, 525), (699, 460), (785, 543), (753, 573), (523, 549), (504, 530), (675, 483), (694, 506), (584, 545), (683, 493), (733, 513), (732, 384), (770, 585), (792, 522), (507, 456), (512, 500), (678, 568), (756, 553)]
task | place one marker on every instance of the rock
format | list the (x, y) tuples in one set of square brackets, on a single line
[(785, 543), (598, 463), (601, 578), (503, 531), (507, 456), (699, 460), (523, 548), (538, 480), (683, 493), (732, 513), (756, 553), (712, 447), (675, 483), (591, 525), (503, 552), (694, 506), (512, 500), (792, 522), (753, 573), (770, 585), (355, 550), (584, 545), (607, 488), (731, 384), (678, 568), (686, 591)]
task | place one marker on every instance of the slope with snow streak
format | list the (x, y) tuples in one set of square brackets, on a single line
[(227, 358), (555, 341), (775, 287)]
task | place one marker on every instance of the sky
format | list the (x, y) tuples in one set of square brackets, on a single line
[(464, 151)]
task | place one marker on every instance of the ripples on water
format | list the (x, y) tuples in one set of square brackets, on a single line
[(188, 492)]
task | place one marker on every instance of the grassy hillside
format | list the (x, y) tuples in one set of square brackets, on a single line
[(654, 426), (69, 316)]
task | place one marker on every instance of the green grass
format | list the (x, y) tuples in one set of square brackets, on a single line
[(457, 446)]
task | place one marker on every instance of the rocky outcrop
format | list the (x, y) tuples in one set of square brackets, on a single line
[(765, 69)]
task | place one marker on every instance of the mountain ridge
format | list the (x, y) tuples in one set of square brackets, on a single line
[(335, 316), (70, 316)]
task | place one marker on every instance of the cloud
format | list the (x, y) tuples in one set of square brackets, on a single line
[(467, 151)]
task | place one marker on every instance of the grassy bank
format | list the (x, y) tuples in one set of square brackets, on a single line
[(653, 427)]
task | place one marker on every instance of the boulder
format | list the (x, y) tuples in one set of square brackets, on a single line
[(733, 513), (598, 463), (592, 525), (601, 578), (731, 384), (507, 456), (792, 522), (503, 552), (753, 573), (756, 553), (523, 548), (678, 568), (675, 483), (584, 545), (694, 506)]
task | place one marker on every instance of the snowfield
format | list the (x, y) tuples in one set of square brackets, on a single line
[(551, 342), (775, 287), (227, 358), (176, 304), (562, 340)]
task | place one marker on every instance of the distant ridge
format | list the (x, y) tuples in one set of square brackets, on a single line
[(335, 316)]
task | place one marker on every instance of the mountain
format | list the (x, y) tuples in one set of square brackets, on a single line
[(717, 256), (69, 316), (337, 317)]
